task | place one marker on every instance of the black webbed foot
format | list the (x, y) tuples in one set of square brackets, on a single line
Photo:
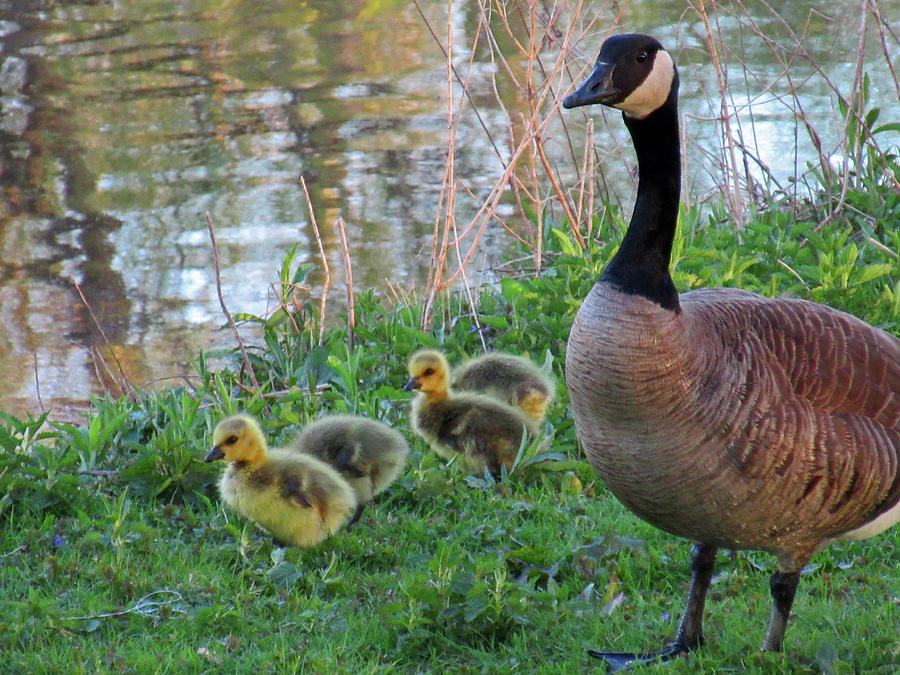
[(690, 631), (618, 661)]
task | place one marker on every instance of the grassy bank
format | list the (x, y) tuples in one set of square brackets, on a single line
[(116, 555)]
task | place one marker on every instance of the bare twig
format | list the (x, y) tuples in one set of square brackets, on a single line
[(573, 223), (884, 248), (37, 382), (17, 548), (288, 312), (883, 26), (466, 241), (98, 473), (791, 270), (326, 269), (147, 605), (733, 194), (437, 40), (245, 358), (125, 385)]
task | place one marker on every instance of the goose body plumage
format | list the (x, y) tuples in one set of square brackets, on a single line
[(512, 379), (298, 498), (719, 415), (763, 439), (367, 453)]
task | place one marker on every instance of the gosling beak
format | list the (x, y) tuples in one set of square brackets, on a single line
[(412, 383), (215, 453), (597, 88)]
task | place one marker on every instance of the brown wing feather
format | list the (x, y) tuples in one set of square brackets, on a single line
[(837, 362), (826, 409)]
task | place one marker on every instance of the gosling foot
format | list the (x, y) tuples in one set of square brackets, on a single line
[(356, 514)]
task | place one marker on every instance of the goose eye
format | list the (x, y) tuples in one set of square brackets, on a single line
[(642, 56), (231, 440), (428, 371)]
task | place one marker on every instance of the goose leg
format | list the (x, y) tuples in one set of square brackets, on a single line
[(783, 586), (690, 630)]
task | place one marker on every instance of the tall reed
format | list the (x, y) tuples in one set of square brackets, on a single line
[(539, 51)]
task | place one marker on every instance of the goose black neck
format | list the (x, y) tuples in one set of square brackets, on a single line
[(641, 265)]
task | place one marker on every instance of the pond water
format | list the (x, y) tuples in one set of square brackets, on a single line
[(124, 122)]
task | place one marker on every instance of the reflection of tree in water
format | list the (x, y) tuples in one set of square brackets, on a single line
[(146, 119), (51, 239), (103, 288)]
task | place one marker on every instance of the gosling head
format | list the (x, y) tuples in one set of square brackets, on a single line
[(633, 73), (429, 373), (238, 439)]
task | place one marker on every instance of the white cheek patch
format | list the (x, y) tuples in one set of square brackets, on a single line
[(653, 91)]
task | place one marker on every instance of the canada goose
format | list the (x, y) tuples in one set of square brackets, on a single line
[(718, 415), (486, 432), (369, 454), (296, 497), (512, 379)]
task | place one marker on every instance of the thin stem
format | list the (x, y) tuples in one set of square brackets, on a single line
[(125, 385), (348, 270), (326, 284), (245, 359)]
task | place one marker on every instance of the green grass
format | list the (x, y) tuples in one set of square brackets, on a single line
[(117, 557)]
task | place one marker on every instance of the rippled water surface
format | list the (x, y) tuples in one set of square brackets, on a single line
[(123, 123)]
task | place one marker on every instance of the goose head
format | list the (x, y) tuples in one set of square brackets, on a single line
[(633, 73), (429, 373), (238, 439)]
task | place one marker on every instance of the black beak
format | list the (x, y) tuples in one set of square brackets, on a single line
[(598, 88), (215, 453), (412, 383)]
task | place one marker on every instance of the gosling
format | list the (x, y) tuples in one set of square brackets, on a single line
[(483, 431), (511, 379), (299, 499), (368, 454)]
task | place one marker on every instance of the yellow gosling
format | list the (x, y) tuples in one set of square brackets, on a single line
[(299, 499)]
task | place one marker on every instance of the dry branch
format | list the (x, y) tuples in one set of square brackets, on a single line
[(124, 384)]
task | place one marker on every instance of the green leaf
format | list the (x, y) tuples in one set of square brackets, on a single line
[(498, 322), (566, 244), (475, 605), (869, 272), (283, 574)]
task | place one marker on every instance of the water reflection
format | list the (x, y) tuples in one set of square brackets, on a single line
[(124, 122)]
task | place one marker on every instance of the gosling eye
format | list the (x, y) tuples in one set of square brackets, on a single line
[(231, 440), (428, 371), (642, 56)]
